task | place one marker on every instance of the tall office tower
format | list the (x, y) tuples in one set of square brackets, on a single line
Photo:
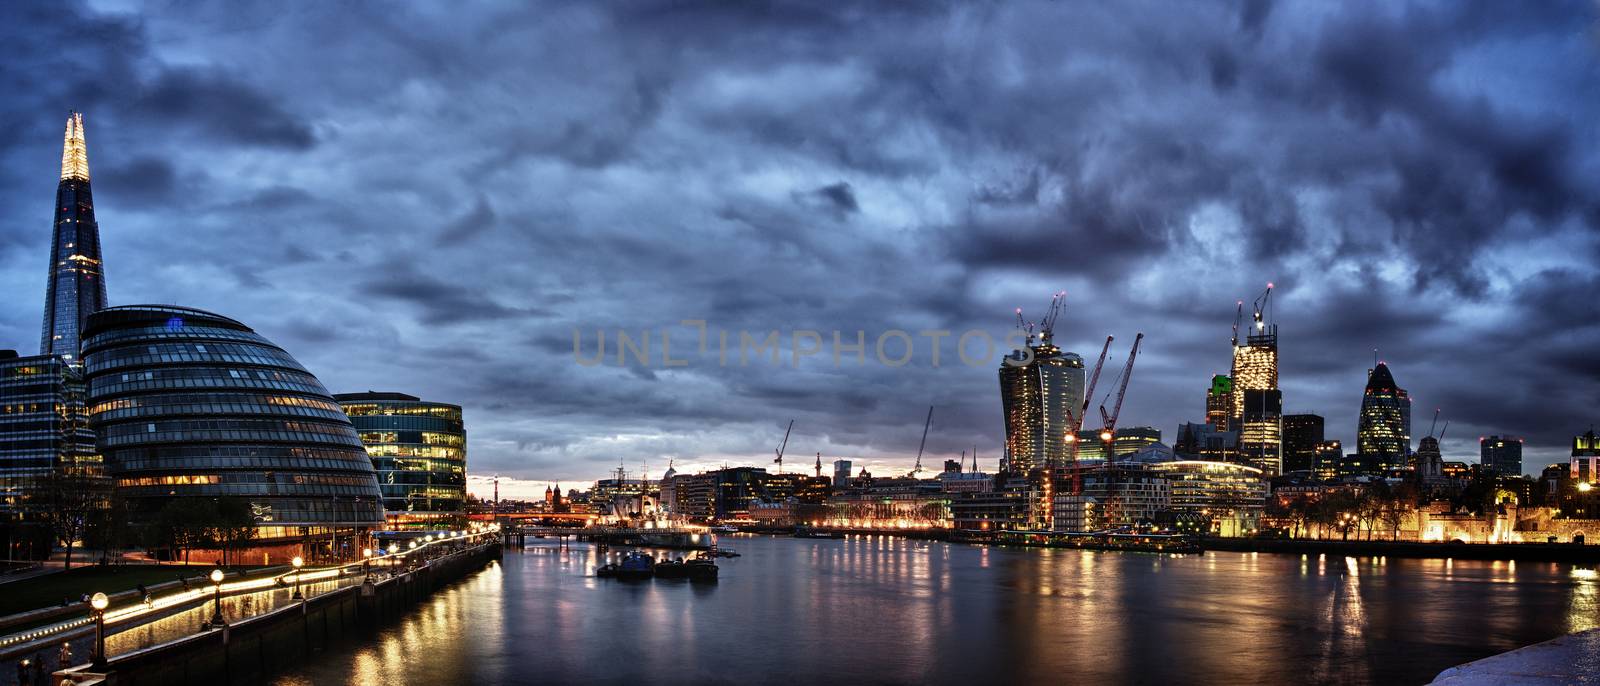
[(44, 431), (1219, 403), (1302, 433), (420, 451), (1501, 454), (1257, 402), (1585, 466), (841, 473), (1261, 430), (77, 286), (1039, 396), (1383, 436), (190, 405)]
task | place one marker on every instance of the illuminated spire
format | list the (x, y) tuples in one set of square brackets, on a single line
[(74, 152)]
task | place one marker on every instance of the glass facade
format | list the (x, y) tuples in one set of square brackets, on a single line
[(77, 286), (419, 449), (1039, 400), (43, 428), (190, 404), (1383, 436), (1257, 402)]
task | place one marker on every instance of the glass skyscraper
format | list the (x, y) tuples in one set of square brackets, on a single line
[(419, 449), (1257, 402), (190, 404), (1383, 436), (77, 286), (43, 428), (1037, 396)]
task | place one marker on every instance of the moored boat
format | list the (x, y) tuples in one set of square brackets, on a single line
[(701, 568), (636, 565), (672, 569), (808, 532)]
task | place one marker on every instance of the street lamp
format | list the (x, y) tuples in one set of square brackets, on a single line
[(216, 582), (98, 603), (366, 562), (297, 562)]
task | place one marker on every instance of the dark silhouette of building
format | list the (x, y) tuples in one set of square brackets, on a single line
[(1302, 433), (1501, 454), (420, 451), (1383, 435), (190, 404), (77, 286)]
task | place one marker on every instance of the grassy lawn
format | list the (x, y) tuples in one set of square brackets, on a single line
[(48, 590)]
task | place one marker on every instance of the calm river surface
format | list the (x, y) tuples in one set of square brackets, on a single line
[(887, 610)]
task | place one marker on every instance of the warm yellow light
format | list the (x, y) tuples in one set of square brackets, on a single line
[(1585, 486), (1105, 435), (99, 601), (216, 575), (366, 552), (297, 562)]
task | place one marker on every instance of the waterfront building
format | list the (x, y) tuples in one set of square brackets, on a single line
[(420, 451), (1115, 495), (694, 497), (1328, 456), (1383, 434), (1456, 471), (187, 404), (1501, 454), (1585, 464), (1010, 505), (1261, 430), (1231, 496), (77, 286), (900, 502), (841, 473), (1219, 403), (966, 482), (1039, 397), (1302, 433), (44, 431)]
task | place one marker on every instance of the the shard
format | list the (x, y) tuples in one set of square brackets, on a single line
[(77, 286)]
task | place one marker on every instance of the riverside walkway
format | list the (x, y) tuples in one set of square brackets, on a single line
[(134, 625)]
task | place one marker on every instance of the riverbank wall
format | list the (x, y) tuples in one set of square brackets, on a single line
[(251, 650), (1522, 552)]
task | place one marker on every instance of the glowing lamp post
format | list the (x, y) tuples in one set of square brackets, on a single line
[(98, 603), (298, 562), (216, 583)]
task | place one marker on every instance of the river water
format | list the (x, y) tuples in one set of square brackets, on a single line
[(889, 610)]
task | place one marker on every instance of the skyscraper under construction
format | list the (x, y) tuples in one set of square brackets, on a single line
[(77, 286), (1040, 397), (1257, 402)]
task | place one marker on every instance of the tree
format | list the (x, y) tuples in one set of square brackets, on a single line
[(67, 500), (108, 527), (185, 524), (235, 524)]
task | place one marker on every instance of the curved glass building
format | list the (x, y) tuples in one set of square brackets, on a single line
[(190, 404), (420, 451)]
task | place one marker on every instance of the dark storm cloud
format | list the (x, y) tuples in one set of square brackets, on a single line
[(430, 199)]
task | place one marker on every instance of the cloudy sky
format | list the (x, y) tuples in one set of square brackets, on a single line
[(432, 199)]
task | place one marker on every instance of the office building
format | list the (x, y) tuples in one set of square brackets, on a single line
[(1328, 456), (1261, 430), (1383, 434), (44, 431), (1219, 403), (1132, 439), (1501, 455), (1039, 398), (1116, 495), (77, 286), (1302, 433), (841, 473), (419, 449), (190, 404), (1231, 497), (1585, 464)]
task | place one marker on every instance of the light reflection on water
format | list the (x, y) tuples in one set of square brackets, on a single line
[(884, 610)]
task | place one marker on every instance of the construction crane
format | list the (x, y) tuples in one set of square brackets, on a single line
[(1047, 325), (1260, 307), (1109, 433), (1075, 418), (1023, 325), (784, 445), (929, 422), (1435, 422), (1238, 318)]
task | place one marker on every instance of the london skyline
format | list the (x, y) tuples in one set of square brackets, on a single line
[(1407, 189)]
